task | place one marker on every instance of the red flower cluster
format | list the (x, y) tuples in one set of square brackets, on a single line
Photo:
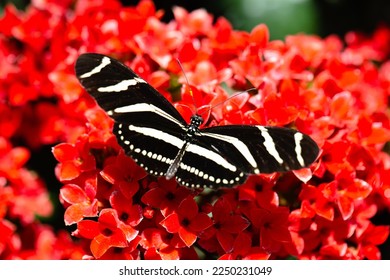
[(335, 91)]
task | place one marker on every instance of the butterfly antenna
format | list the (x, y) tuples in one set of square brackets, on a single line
[(188, 84), (231, 97)]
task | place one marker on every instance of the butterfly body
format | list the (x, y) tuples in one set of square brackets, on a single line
[(157, 137)]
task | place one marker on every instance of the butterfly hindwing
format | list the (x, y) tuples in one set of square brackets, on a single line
[(235, 151), (144, 149), (263, 149)]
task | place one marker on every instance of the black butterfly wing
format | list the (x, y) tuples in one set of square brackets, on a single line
[(236, 151), (146, 125), (114, 85), (155, 135)]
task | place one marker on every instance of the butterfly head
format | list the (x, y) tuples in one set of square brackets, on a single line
[(193, 127), (196, 121)]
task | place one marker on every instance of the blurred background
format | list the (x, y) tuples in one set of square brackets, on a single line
[(322, 17)]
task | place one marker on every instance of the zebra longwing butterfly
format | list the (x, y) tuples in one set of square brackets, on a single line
[(156, 136)]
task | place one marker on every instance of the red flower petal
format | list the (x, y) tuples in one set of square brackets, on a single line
[(188, 237), (171, 223), (72, 194), (346, 207), (88, 229), (75, 213), (242, 244), (68, 171), (188, 208), (303, 174), (153, 197), (200, 222), (376, 234), (108, 218), (257, 254), (277, 111), (226, 240), (236, 224), (7, 229), (324, 209), (371, 252), (359, 189), (100, 244), (341, 106), (65, 152), (129, 232), (260, 35), (335, 250)]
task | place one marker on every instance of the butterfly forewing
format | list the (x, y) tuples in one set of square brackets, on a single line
[(143, 117), (156, 136), (114, 85)]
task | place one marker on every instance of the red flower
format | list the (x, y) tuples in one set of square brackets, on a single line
[(226, 224), (128, 212), (187, 221), (74, 159), (260, 190), (341, 194), (106, 233), (166, 196), (81, 205), (128, 253), (273, 225), (373, 236), (160, 244), (124, 174)]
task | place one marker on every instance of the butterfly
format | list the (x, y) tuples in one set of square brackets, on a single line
[(157, 137)]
